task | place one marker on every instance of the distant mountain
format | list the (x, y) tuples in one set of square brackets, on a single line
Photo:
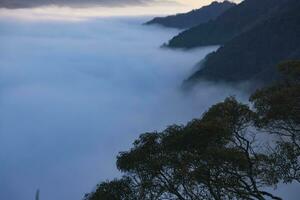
[(231, 23), (253, 54), (195, 17)]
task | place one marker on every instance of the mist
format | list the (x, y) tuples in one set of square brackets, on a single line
[(74, 94)]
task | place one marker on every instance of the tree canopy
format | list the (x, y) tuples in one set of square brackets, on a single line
[(219, 156)]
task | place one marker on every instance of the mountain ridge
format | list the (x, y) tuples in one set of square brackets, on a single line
[(252, 54), (228, 25), (194, 17)]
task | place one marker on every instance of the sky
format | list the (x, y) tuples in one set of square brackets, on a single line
[(77, 10)]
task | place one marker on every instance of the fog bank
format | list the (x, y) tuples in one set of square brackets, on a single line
[(74, 94)]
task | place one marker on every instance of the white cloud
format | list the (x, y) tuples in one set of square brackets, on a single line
[(72, 95)]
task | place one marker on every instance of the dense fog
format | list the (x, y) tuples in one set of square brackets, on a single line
[(74, 94)]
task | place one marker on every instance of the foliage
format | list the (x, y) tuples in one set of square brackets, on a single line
[(122, 189), (217, 157), (278, 111)]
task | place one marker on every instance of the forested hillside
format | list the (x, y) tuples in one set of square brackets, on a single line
[(231, 23), (252, 54)]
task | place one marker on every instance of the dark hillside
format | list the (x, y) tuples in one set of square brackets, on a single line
[(194, 17), (231, 23), (252, 55)]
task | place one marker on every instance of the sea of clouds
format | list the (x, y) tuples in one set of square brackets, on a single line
[(74, 94)]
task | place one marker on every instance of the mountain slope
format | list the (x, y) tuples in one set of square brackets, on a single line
[(228, 25), (253, 54), (193, 18)]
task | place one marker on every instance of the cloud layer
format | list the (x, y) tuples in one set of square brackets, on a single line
[(72, 95), (13, 4)]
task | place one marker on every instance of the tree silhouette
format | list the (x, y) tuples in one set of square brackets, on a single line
[(218, 156)]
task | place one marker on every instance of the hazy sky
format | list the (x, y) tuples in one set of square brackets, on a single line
[(77, 10), (90, 3)]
